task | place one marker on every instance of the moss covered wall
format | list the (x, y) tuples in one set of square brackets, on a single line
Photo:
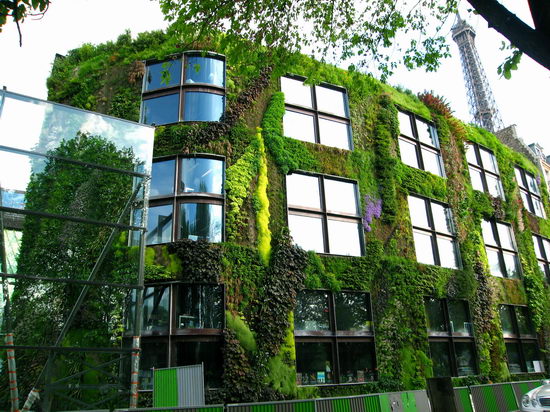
[(257, 263)]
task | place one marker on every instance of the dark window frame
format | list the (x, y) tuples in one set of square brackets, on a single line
[(544, 259), (324, 214), (529, 194), (320, 114), (182, 87), (480, 167), (500, 249)]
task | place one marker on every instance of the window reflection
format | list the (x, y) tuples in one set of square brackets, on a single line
[(405, 127), (501, 249), (199, 306), (207, 353), (408, 153), (161, 110), (340, 197), (423, 247), (299, 126), (314, 363), (307, 232), (529, 191), (303, 190), (439, 352), (159, 224), (344, 237), (312, 311), (353, 311), (162, 178), (465, 358), (335, 134), (459, 317), (156, 316), (447, 252), (201, 175), (163, 74), (205, 70), (296, 92), (331, 101), (154, 355), (356, 362), (203, 107), (435, 315), (201, 221)]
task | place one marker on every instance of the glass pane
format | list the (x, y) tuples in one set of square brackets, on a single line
[(162, 178), (532, 184), (524, 324), (353, 311), (299, 126), (536, 245), (439, 352), (533, 360), (442, 218), (303, 191), (344, 238), (435, 315), (505, 236), (495, 186), (356, 362), (156, 315), (489, 160), (512, 265), (471, 154), (12, 198), (539, 209), (161, 110), (465, 358), (12, 244), (432, 162), (331, 101), (203, 107), (519, 178), (514, 363), (307, 232), (417, 210), (312, 311), (159, 224), (208, 353), (153, 355), (407, 151), (200, 175), (506, 320), (447, 252), (313, 363), (476, 179), (494, 262), (458, 315), (525, 197), (335, 134), (163, 74), (487, 231), (546, 244), (424, 133), (199, 306), (201, 221), (405, 127), (340, 197), (423, 247), (296, 92), (204, 70)]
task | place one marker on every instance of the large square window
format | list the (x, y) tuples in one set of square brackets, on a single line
[(529, 191), (501, 249), (483, 168)]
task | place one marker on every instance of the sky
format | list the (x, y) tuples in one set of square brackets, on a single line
[(68, 24)]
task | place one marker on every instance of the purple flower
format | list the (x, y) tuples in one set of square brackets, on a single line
[(373, 209)]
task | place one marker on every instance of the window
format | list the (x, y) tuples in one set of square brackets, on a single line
[(451, 337), (529, 190), (182, 325), (419, 144), (317, 114), (542, 250), (188, 88), (520, 339), (483, 168), (501, 249), (334, 338), (186, 199), (323, 214), (433, 232)]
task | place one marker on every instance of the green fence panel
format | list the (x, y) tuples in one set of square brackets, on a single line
[(462, 400), (304, 406), (409, 402), (372, 403), (165, 388), (509, 397), (341, 405), (385, 403), (263, 408)]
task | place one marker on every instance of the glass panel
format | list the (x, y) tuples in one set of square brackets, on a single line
[(533, 360), (512, 265), (203, 107), (162, 178), (494, 262), (340, 197), (458, 315), (525, 198), (487, 231), (331, 101), (546, 244), (204, 70), (299, 126), (423, 247), (163, 74), (12, 198), (313, 363), (312, 311), (344, 237), (12, 244), (539, 209), (353, 311), (506, 320), (440, 357), (201, 221), (161, 110), (153, 355), (435, 315), (296, 92), (201, 175), (495, 186), (417, 210), (505, 236), (432, 162), (199, 306), (159, 224), (447, 252), (543, 267), (156, 315), (471, 154), (208, 353), (532, 184), (489, 160), (476, 179), (307, 232), (514, 363), (303, 191), (465, 358), (536, 245), (405, 127), (519, 178), (335, 134), (524, 324), (442, 218), (424, 133), (356, 362), (407, 151)]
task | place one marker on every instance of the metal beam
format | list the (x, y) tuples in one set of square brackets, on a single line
[(72, 281)]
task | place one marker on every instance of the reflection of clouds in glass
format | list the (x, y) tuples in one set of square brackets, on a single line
[(15, 171), (20, 123)]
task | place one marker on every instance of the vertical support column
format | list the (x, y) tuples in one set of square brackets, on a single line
[(134, 375), (12, 375), (33, 396)]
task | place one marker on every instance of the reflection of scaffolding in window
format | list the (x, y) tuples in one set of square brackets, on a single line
[(72, 220)]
